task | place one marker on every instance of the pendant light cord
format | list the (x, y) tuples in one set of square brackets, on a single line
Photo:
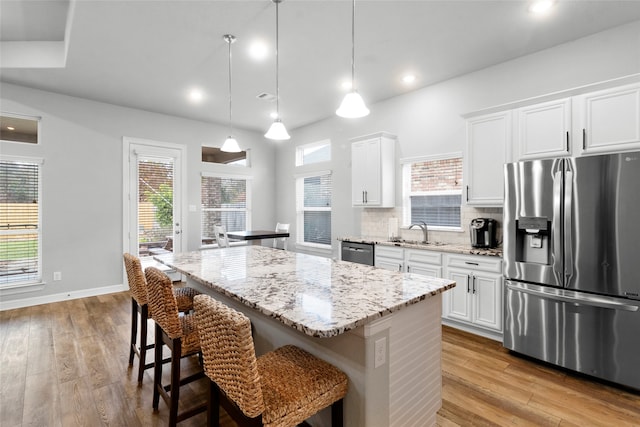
[(353, 45), (277, 63), (229, 41)]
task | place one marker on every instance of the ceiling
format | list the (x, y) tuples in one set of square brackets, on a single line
[(148, 54)]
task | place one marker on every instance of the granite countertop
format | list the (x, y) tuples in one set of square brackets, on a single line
[(318, 296), (435, 246)]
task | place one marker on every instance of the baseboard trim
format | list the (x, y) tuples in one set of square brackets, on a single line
[(46, 299)]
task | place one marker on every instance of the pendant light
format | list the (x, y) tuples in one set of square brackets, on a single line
[(230, 144), (277, 131), (353, 105)]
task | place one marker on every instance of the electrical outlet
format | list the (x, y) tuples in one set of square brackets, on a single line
[(380, 350), (57, 275)]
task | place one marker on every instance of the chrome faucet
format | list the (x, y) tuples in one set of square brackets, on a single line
[(423, 226)]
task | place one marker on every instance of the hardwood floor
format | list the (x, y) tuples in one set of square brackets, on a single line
[(66, 364)]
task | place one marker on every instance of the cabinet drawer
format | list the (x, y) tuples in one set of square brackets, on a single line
[(389, 252), (423, 256), (481, 263)]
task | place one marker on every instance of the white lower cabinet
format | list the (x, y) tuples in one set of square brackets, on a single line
[(389, 257), (425, 262), (476, 300), (418, 261)]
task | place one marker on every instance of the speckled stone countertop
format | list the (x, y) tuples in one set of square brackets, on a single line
[(440, 247), (318, 296)]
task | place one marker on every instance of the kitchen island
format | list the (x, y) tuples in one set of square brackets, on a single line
[(381, 328)]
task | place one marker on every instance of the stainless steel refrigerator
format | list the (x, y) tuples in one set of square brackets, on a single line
[(572, 263)]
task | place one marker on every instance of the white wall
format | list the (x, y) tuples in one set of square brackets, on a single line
[(428, 121), (82, 180)]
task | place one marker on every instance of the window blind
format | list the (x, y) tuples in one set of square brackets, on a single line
[(19, 222), (155, 200), (224, 202), (317, 209)]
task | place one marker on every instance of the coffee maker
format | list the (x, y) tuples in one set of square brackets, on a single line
[(483, 233)]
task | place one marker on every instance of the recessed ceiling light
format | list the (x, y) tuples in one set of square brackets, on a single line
[(258, 50), (196, 95), (10, 128), (541, 7), (409, 78)]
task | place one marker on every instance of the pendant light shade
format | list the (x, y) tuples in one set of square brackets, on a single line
[(230, 145), (352, 105), (277, 131)]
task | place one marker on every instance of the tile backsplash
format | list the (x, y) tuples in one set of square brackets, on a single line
[(375, 224)]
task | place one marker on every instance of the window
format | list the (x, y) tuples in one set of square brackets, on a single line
[(20, 229), (225, 201), (215, 155), (313, 198), (433, 191), (315, 152), (16, 128)]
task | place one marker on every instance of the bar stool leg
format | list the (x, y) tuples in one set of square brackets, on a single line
[(144, 319), (176, 355), (134, 330), (337, 413), (157, 368)]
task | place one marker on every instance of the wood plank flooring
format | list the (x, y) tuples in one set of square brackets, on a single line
[(66, 364)]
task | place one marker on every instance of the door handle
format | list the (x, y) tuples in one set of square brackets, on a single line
[(468, 285), (474, 284), (471, 263), (399, 267), (568, 142)]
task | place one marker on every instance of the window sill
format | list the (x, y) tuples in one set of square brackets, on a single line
[(315, 248), (437, 228), (18, 288)]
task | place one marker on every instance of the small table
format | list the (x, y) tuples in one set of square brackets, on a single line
[(255, 236)]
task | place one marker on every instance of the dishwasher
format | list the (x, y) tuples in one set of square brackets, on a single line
[(361, 253)]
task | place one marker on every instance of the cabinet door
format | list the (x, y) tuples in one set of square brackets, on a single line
[(389, 264), (458, 301), (425, 269), (543, 129), (609, 120), (359, 166), (487, 297), (488, 149), (365, 172)]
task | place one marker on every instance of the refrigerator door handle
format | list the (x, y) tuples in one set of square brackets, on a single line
[(568, 215), (573, 297), (556, 251)]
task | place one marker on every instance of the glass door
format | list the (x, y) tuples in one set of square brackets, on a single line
[(154, 215)]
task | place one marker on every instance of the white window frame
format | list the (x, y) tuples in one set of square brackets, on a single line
[(301, 148), (406, 189), (38, 280), (247, 209), (300, 210)]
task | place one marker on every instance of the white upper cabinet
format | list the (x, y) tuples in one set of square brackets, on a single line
[(373, 171), (543, 130), (608, 120), (488, 149)]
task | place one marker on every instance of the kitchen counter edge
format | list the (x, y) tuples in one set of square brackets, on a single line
[(446, 247)]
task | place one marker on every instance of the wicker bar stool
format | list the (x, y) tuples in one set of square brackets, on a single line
[(138, 290), (279, 389), (180, 335)]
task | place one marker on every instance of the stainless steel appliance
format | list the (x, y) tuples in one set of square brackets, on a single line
[(483, 233), (572, 263), (362, 253)]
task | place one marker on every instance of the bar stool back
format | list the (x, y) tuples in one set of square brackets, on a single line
[(281, 388), (179, 334)]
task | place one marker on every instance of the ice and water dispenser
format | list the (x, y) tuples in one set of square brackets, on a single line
[(533, 240)]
